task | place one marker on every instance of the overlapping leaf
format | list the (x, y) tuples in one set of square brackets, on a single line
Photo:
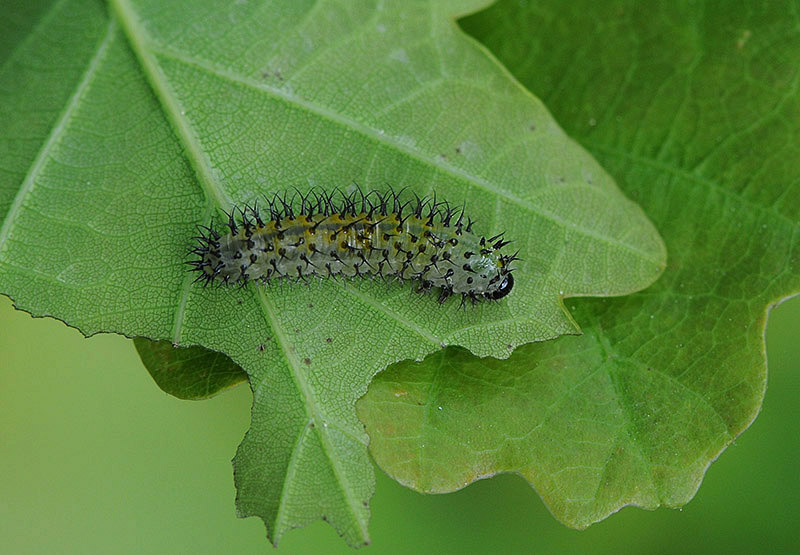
[(123, 130), (694, 108), (189, 373)]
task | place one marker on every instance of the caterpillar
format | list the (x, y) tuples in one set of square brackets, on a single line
[(359, 234)]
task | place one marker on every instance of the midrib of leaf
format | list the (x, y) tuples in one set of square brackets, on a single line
[(216, 195), (205, 175), (140, 44), (594, 325), (311, 405), (55, 134), (384, 139), (609, 356)]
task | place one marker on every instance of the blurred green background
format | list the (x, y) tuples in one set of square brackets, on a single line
[(94, 458)]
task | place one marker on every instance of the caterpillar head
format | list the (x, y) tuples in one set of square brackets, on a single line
[(506, 284)]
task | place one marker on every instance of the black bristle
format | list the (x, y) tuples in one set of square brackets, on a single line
[(231, 222)]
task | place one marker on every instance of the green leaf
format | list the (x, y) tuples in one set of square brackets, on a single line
[(694, 109), (188, 373), (126, 130)]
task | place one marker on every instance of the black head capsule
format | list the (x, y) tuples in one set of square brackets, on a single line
[(504, 289)]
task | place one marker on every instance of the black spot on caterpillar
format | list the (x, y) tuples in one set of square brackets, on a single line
[(356, 235)]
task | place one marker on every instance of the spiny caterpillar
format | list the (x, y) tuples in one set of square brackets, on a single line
[(358, 235)]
